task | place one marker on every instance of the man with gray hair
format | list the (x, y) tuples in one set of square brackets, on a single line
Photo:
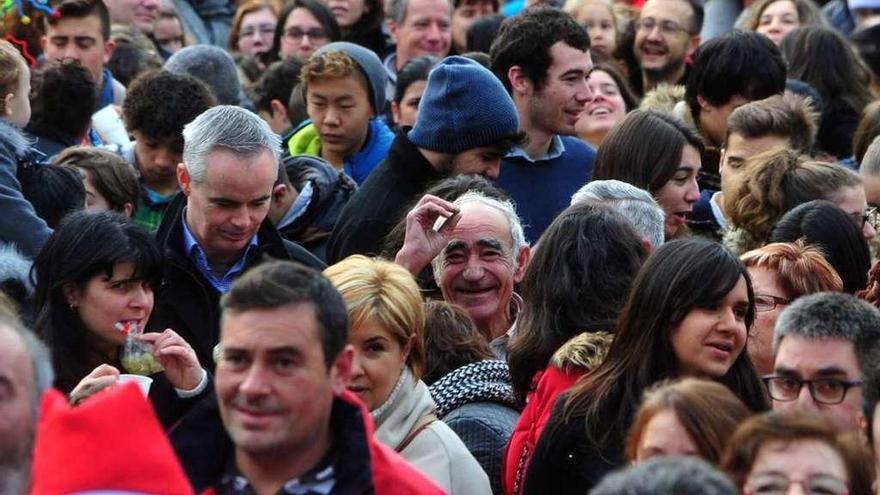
[(418, 27), (25, 373), (635, 204), (816, 366), (217, 227), (478, 251)]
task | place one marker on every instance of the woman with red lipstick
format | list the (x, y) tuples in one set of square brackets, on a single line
[(96, 274), (688, 314), (659, 153), (387, 319)]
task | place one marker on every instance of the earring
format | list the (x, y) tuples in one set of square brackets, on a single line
[(72, 307)]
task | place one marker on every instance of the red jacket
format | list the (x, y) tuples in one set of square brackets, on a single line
[(390, 473), (571, 361), (539, 404)]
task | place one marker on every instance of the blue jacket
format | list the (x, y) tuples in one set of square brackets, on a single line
[(305, 141), (19, 223)]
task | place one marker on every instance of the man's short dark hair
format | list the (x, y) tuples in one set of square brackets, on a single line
[(280, 283), (63, 97), (525, 40), (790, 116), (740, 63), (829, 315), (79, 9), (277, 83), (160, 103)]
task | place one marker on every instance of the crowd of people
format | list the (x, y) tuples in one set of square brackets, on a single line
[(440, 246)]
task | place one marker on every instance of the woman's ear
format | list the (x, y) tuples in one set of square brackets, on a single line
[(408, 347), (72, 294), (128, 209)]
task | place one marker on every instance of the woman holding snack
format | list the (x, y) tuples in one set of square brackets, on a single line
[(94, 294)]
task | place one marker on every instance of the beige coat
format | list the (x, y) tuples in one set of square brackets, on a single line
[(435, 450)]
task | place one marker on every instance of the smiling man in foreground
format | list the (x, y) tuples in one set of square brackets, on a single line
[(281, 380)]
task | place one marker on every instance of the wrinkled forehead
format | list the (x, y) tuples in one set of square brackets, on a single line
[(481, 225)]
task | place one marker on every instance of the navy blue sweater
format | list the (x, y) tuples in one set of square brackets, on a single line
[(542, 189)]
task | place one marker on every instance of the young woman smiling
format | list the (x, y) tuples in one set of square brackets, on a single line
[(688, 315)]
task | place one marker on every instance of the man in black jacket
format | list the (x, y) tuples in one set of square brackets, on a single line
[(466, 124), (218, 227)]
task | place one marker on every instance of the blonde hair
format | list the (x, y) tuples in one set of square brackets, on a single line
[(778, 180), (330, 64), (800, 269), (12, 65), (375, 289)]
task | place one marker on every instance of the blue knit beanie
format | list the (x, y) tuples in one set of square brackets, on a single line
[(464, 106), (370, 65)]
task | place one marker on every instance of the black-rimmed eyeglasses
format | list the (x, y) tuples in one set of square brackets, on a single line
[(827, 391)]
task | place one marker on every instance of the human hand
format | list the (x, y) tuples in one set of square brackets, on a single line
[(422, 241), (181, 365), (100, 378)]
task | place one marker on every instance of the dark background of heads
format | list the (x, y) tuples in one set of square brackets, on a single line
[(824, 225), (741, 63), (577, 281), (54, 192), (451, 341), (63, 98)]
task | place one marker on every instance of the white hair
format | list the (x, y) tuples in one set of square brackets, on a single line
[(506, 207), (230, 128), (635, 204)]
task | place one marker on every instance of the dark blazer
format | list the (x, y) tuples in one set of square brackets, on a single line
[(189, 304)]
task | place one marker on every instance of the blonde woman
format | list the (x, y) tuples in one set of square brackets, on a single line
[(387, 320)]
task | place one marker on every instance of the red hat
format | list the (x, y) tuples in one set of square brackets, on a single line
[(111, 442)]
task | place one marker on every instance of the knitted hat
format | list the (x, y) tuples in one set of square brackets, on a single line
[(110, 443), (370, 66), (863, 4), (211, 65), (464, 106)]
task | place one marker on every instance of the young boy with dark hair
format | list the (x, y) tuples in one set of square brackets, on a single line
[(158, 106)]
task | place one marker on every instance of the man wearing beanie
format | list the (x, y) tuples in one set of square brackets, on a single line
[(466, 123), (542, 56), (214, 67), (345, 95)]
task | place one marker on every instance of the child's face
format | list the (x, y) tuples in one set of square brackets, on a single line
[(18, 106)]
